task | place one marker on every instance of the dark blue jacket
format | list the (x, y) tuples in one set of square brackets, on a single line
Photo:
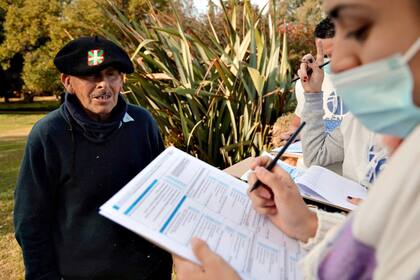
[(64, 179)]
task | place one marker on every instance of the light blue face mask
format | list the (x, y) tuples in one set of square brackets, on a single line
[(380, 94)]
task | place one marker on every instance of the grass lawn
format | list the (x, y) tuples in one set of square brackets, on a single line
[(13, 128)]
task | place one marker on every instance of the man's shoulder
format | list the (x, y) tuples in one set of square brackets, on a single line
[(139, 113), (52, 123)]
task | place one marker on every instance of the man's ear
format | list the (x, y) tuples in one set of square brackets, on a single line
[(123, 80), (65, 80)]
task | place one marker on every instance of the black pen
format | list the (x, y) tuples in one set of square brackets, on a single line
[(320, 66), (273, 163)]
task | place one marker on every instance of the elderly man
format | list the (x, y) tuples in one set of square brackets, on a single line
[(76, 158)]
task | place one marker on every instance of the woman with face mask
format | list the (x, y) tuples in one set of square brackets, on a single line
[(376, 66)]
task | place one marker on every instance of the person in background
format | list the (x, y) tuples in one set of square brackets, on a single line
[(378, 78), (332, 136), (333, 106), (76, 158)]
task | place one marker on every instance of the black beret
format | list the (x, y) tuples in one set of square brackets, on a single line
[(89, 55)]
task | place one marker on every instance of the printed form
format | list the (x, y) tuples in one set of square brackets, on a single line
[(178, 196)]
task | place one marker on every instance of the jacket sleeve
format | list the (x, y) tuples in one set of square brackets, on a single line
[(319, 147), (33, 213), (155, 138), (326, 221), (329, 224)]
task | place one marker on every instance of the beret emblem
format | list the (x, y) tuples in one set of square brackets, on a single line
[(95, 57)]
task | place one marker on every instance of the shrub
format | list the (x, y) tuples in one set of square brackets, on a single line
[(216, 101)]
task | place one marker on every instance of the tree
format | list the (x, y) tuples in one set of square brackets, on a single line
[(10, 78), (308, 12), (37, 29), (138, 9), (26, 32)]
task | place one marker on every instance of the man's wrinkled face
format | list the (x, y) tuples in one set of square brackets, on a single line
[(97, 93)]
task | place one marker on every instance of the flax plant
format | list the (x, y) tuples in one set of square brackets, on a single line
[(217, 102)]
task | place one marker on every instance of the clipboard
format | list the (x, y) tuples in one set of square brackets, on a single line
[(241, 167)]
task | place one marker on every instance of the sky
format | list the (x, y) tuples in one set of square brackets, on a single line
[(201, 5)]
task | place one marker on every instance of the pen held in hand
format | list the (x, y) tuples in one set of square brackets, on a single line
[(310, 70), (273, 163)]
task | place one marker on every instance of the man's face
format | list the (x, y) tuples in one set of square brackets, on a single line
[(97, 93)]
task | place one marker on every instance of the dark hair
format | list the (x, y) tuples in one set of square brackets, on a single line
[(325, 29)]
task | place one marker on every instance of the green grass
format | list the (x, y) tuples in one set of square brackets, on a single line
[(11, 152), (16, 122), (33, 106)]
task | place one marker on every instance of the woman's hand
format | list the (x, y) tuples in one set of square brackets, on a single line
[(213, 266), (354, 200), (280, 201), (312, 82)]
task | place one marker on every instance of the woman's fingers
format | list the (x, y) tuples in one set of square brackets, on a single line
[(305, 67), (275, 179), (260, 161), (265, 211), (263, 191), (267, 178), (203, 253), (319, 52), (186, 269), (308, 58), (302, 73), (261, 198), (214, 266), (354, 200), (258, 201)]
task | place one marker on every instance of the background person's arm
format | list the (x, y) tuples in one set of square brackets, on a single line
[(319, 147)]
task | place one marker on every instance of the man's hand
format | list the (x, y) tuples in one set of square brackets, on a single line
[(213, 266), (311, 76), (280, 201)]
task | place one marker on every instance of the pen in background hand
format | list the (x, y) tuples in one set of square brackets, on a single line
[(273, 163), (310, 71)]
